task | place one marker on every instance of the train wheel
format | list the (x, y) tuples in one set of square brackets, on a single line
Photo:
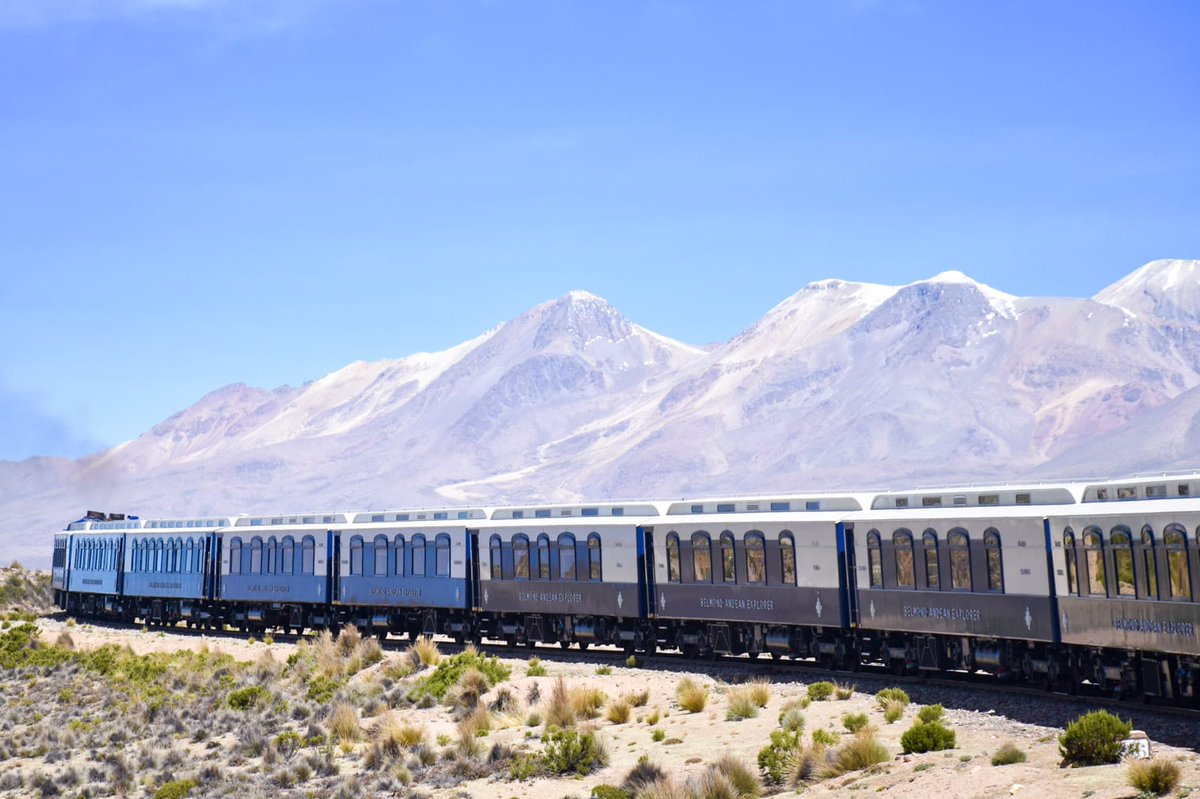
[(565, 644), (691, 651), (583, 645)]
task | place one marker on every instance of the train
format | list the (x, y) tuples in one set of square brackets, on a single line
[(1058, 584)]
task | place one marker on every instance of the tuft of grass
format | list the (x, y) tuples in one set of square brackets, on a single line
[(348, 640), (644, 773), (741, 777), (893, 712), (1008, 754), (843, 691), (820, 691), (653, 716), (860, 751), (425, 652), (343, 723), (471, 686), (760, 691), (931, 713), (249, 697), (691, 695), (1093, 739), (928, 737), (741, 705), (587, 702), (558, 709), (638, 698), (1153, 777), (604, 671), (618, 711), (631, 662), (853, 722), (658, 735), (824, 738), (175, 789), (791, 718), (774, 759), (534, 668), (892, 695), (573, 751)]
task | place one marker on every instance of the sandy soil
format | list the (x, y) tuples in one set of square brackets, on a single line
[(691, 740)]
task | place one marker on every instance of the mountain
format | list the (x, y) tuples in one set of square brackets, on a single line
[(840, 385)]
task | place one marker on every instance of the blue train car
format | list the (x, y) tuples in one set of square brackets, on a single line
[(274, 570), (168, 576), (92, 573), (406, 571)]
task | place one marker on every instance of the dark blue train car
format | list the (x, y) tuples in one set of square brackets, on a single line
[(92, 573), (274, 571), (168, 572), (567, 574), (407, 571)]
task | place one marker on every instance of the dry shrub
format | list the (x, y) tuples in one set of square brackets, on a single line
[(843, 691), (393, 736), (558, 709), (741, 704), (424, 652), (370, 652), (1153, 777), (343, 723), (587, 702), (471, 686), (859, 751), (805, 764), (638, 698), (691, 695), (618, 712), (471, 729), (348, 640), (760, 691), (64, 641), (325, 652)]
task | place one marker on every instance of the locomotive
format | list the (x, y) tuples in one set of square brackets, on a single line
[(1052, 583)]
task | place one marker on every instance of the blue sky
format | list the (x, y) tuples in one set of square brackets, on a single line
[(200, 192)]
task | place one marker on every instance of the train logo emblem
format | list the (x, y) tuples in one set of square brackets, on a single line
[(1028, 619), (620, 601), (818, 606), (872, 608)]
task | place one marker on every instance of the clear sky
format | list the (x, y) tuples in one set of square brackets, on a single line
[(200, 192)]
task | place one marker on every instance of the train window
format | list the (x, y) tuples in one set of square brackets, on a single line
[(566, 557), (1023, 499), (960, 559), (617, 512), (418, 555), (356, 555), (590, 512), (781, 507), (1072, 564), (902, 545), (756, 558), (901, 502), (1175, 542), (521, 557), (702, 557), (518, 514), (930, 545), (595, 565), (308, 556), (874, 560), (1156, 491), (995, 559), (672, 558), (441, 516), (543, 547), (541, 514), (442, 560), (272, 552), (1184, 489), (989, 499), (1093, 553), (255, 555), (287, 555), (398, 556), (727, 559), (931, 502), (235, 555), (1124, 492), (1151, 563), (787, 558), (1121, 540), (188, 548), (381, 555), (377, 517), (697, 509), (725, 507), (496, 554)]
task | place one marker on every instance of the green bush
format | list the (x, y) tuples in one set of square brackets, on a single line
[(322, 689), (570, 751), (535, 668), (1093, 739), (449, 670), (888, 695), (790, 718), (820, 691), (931, 713), (523, 767), (248, 697), (854, 722), (929, 737), (609, 792), (775, 757), (1007, 755), (176, 789), (824, 738), (1153, 777), (893, 711)]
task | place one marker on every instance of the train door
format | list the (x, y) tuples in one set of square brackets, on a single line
[(120, 564), (645, 549), (333, 570), (473, 569), (846, 560)]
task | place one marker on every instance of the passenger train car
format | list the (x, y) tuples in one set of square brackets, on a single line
[(1049, 583)]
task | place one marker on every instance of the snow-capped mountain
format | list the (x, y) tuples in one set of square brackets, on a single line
[(840, 385)]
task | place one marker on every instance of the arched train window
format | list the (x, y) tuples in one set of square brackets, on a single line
[(1120, 538), (874, 560), (308, 559), (418, 555), (728, 574), (995, 559), (272, 551), (756, 557), (902, 546), (1072, 561), (930, 544), (543, 550), (380, 547), (398, 555), (672, 558), (235, 555), (521, 556), (1151, 562), (1093, 552), (496, 555), (356, 555), (1176, 544), (959, 544), (256, 559), (595, 565), (702, 557), (442, 555), (787, 558), (566, 557), (287, 559)]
